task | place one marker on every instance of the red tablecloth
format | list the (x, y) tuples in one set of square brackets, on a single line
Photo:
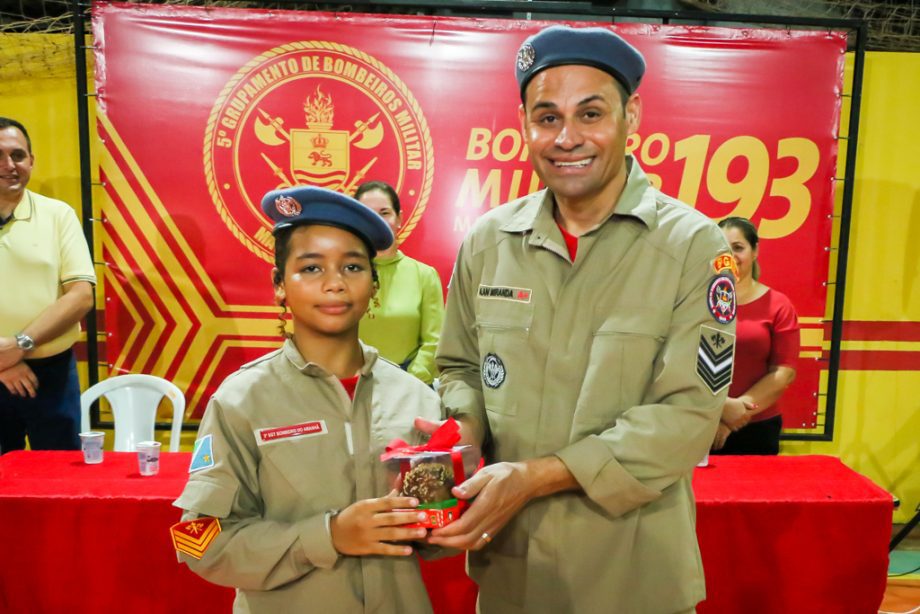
[(791, 534), (787, 534)]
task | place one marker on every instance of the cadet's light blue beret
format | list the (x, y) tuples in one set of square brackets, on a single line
[(597, 47), (311, 205)]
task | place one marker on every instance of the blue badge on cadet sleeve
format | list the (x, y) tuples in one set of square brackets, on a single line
[(493, 371), (721, 299), (715, 358), (202, 458)]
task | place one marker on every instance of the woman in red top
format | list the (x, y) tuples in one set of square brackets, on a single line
[(766, 351)]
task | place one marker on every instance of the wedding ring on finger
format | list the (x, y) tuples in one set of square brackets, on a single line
[(486, 537)]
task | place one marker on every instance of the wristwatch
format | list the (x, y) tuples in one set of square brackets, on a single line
[(24, 342)]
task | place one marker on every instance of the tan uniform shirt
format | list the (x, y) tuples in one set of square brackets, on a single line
[(272, 495), (595, 362)]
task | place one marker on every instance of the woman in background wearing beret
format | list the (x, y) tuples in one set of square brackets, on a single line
[(766, 351), (404, 322), (286, 459)]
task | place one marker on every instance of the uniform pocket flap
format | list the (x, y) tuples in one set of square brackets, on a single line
[(645, 324), (504, 314), (207, 498)]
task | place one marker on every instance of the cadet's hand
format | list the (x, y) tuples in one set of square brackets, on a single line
[(501, 490), (20, 380), (365, 527), (736, 413), (721, 436)]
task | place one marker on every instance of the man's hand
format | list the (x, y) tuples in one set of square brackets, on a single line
[(10, 353), (20, 380), (365, 527), (721, 436), (501, 490), (736, 413)]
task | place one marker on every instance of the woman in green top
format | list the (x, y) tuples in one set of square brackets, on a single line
[(404, 324)]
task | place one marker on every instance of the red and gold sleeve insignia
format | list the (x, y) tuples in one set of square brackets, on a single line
[(194, 537), (724, 263)]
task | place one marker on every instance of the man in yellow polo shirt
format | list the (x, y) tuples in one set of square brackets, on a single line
[(47, 278)]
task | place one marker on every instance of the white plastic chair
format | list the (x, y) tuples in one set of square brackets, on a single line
[(134, 399)]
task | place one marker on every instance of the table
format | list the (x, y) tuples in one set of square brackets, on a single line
[(95, 538), (782, 534), (791, 534)]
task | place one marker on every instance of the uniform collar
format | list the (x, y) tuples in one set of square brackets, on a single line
[(291, 352), (636, 201)]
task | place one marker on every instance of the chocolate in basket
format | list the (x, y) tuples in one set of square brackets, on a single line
[(429, 471)]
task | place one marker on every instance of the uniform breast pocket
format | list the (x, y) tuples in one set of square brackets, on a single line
[(296, 471), (620, 369), (503, 330)]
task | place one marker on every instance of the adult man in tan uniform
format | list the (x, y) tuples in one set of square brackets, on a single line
[(588, 345)]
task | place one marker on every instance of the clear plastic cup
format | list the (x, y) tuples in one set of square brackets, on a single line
[(148, 457), (91, 443)]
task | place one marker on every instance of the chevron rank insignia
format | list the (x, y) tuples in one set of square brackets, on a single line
[(715, 358), (194, 537)]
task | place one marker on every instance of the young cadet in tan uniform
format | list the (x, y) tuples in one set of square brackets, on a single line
[(282, 447), (595, 365)]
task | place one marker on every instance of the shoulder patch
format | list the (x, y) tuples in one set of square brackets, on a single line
[(725, 263), (715, 358), (202, 457), (194, 537), (721, 299)]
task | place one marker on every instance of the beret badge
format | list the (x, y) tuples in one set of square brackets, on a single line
[(287, 206), (526, 56)]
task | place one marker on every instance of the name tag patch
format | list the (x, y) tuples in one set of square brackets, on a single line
[(294, 431), (505, 293)]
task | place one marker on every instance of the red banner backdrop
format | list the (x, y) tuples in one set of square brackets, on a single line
[(203, 110)]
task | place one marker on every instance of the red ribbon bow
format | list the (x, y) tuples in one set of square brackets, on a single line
[(443, 440)]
